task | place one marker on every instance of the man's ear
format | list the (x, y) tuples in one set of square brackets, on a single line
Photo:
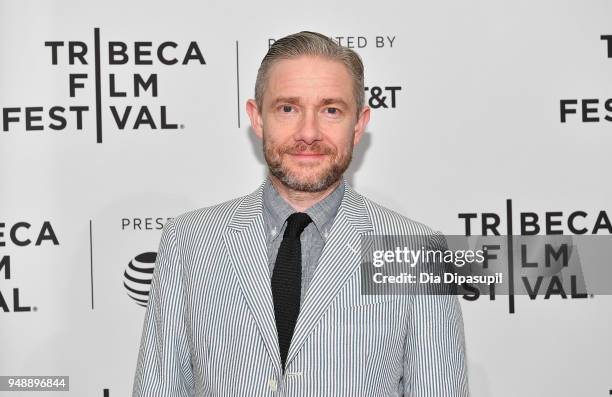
[(362, 122), (255, 116)]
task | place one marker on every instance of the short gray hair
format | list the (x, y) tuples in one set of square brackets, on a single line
[(313, 44)]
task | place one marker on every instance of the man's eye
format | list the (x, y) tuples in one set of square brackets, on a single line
[(286, 108), (333, 110)]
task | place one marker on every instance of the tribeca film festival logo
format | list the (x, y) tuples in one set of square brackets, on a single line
[(543, 279), (20, 234), (589, 108), (78, 54), (377, 97)]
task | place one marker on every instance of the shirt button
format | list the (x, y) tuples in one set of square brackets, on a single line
[(272, 384)]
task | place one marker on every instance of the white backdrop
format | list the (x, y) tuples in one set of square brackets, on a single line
[(476, 121)]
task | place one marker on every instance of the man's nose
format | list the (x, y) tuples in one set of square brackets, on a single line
[(309, 130)]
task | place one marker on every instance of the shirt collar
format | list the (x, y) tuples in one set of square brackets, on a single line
[(277, 210)]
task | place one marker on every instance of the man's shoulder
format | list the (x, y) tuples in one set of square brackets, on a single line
[(387, 221), (210, 219)]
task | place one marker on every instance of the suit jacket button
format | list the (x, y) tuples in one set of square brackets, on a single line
[(272, 384)]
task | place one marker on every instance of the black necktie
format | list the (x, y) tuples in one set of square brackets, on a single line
[(287, 281)]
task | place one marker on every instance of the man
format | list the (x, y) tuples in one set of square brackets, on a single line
[(261, 295)]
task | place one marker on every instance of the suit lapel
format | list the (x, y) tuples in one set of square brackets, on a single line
[(246, 247), (339, 259)]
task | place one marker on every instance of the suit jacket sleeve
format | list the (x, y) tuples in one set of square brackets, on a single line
[(434, 357), (164, 362)]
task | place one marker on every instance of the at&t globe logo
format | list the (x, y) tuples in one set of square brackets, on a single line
[(137, 277)]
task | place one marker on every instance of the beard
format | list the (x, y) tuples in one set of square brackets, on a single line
[(312, 177)]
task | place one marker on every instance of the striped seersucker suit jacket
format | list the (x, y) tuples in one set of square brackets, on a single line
[(209, 328)]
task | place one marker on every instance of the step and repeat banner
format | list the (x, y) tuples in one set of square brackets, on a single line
[(488, 117)]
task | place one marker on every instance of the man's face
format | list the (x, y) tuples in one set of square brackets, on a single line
[(308, 122)]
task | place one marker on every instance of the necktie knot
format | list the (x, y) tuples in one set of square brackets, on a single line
[(296, 223)]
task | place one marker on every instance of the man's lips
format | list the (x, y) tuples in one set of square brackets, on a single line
[(308, 155)]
